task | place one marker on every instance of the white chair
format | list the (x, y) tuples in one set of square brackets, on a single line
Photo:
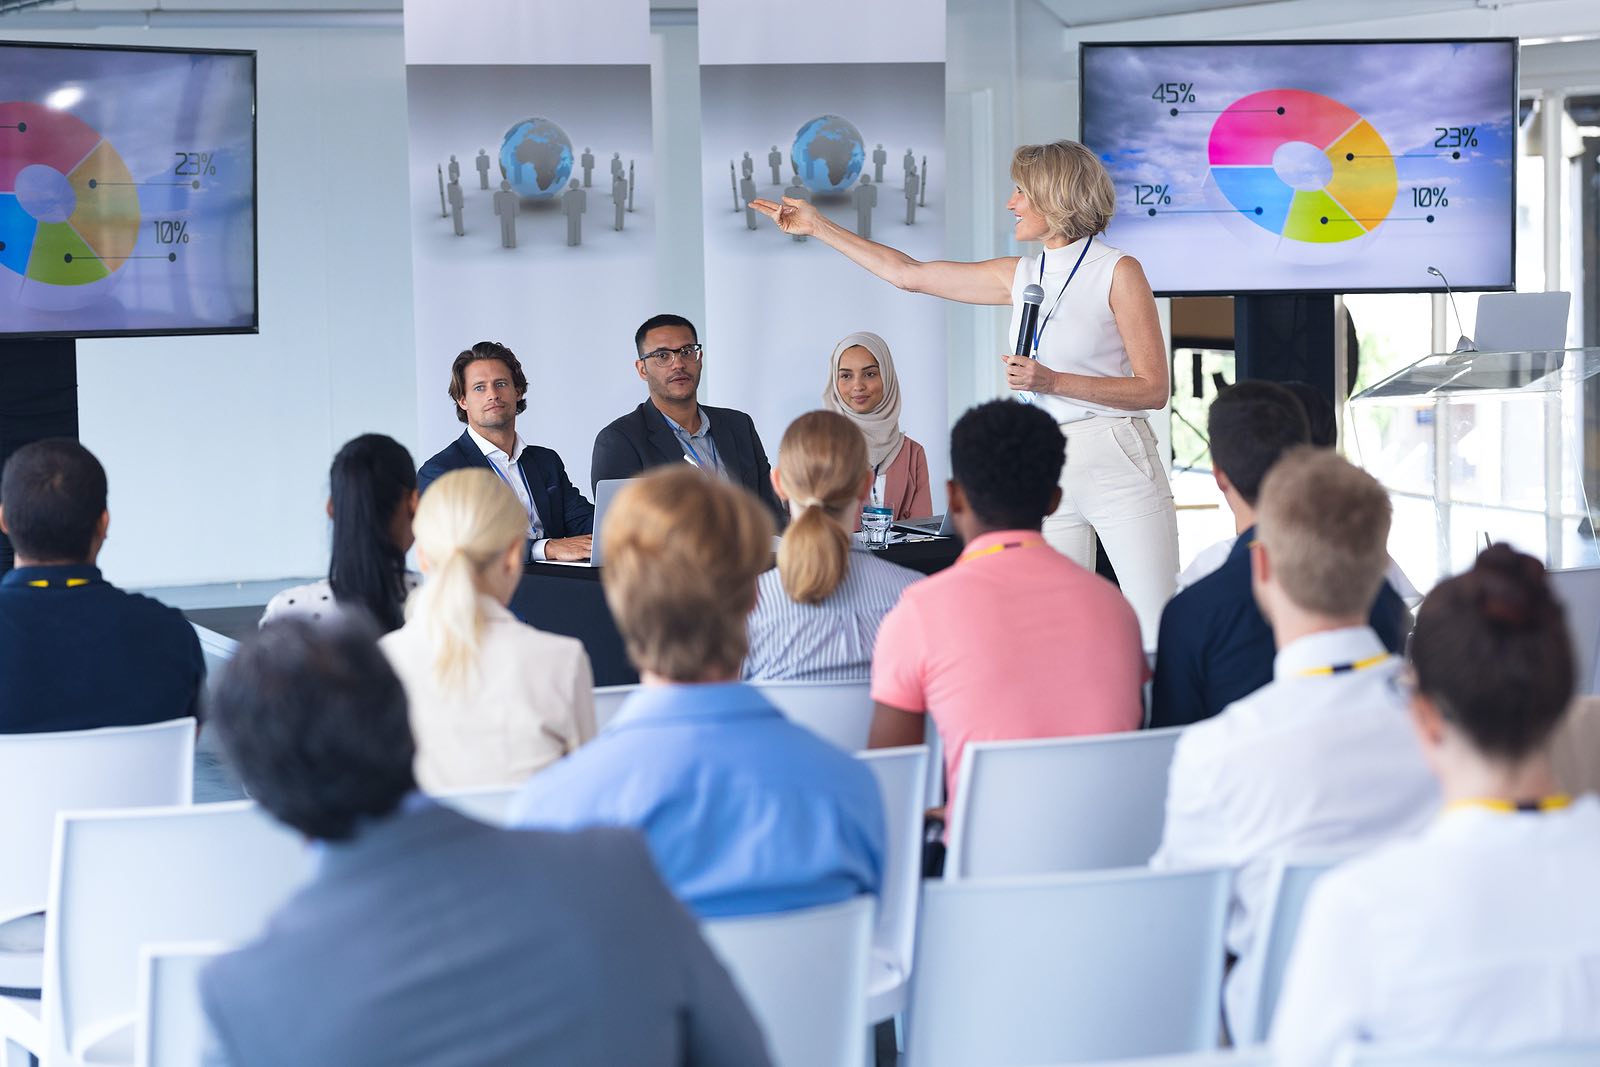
[(42, 774), (608, 701), (1067, 968), (120, 880), (1584, 1055), (1059, 804), (170, 1030), (931, 738), (490, 804), (902, 775), (1579, 592), (1226, 1057), (840, 712), (804, 976), (1291, 883)]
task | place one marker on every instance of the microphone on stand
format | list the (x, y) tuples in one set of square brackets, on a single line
[(1463, 343), (1032, 297)]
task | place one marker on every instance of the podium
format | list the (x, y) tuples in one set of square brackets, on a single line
[(1476, 447)]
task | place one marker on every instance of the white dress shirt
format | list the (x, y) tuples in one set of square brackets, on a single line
[(510, 472), (1313, 763), (1480, 935)]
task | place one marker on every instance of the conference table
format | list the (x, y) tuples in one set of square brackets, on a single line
[(565, 599)]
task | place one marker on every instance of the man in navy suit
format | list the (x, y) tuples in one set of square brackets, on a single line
[(672, 426), (490, 391)]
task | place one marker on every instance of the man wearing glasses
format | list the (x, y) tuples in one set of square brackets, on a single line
[(672, 426)]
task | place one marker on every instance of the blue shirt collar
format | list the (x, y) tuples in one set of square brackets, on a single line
[(55, 575), (705, 424), (657, 705)]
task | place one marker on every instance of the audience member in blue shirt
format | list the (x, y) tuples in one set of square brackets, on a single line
[(744, 811), (77, 653), (1215, 646)]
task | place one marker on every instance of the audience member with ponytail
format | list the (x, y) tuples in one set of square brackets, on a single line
[(817, 613), (492, 699), (372, 494), (1481, 934)]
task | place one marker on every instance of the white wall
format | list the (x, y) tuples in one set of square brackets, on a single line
[(217, 448)]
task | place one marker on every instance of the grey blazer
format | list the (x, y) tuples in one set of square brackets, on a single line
[(435, 940)]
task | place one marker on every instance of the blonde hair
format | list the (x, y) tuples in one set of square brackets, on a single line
[(821, 464), (682, 555), (466, 521), (1068, 185), (1325, 525)]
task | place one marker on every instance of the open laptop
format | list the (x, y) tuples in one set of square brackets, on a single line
[(934, 526), (1522, 322), (605, 494)]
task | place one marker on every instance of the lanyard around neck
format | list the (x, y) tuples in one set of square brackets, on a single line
[(1554, 802), (69, 583), (991, 550), (1344, 668), (1039, 330)]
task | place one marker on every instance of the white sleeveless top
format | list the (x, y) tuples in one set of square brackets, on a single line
[(1081, 335)]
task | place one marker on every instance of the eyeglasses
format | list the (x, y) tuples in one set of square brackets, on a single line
[(662, 357)]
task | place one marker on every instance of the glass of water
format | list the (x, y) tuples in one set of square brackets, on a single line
[(875, 523)]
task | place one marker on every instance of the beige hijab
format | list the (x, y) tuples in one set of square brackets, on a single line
[(881, 426)]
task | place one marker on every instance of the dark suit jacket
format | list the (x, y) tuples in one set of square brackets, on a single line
[(431, 940), (562, 508), (641, 439)]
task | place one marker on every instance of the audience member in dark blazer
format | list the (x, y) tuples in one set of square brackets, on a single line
[(672, 426), (426, 939), (490, 391)]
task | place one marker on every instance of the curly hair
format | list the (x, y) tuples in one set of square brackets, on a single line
[(1007, 458), (486, 350)]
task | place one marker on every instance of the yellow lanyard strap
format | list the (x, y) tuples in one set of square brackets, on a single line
[(1345, 668), (993, 549), (1551, 803)]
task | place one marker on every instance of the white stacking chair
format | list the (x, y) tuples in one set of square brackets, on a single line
[(1291, 883), (123, 879), (170, 1030), (840, 712), (1067, 968), (1225, 1057), (1571, 1055), (608, 701), (804, 976), (490, 804), (42, 774), (902, 775), (1578, 589), (1059, 804)]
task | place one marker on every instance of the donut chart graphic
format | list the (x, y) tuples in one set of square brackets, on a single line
[(1303, 165), (69, 210)]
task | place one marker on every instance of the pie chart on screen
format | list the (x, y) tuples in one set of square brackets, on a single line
[(1302, 165), (69, 209)]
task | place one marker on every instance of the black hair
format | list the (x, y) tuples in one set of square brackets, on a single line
[(370, 477), (53, 492), (481, 351), (1251, 424), (1319, 413), (655, 322), (1491, 650), (1007, 458), (313, 719)]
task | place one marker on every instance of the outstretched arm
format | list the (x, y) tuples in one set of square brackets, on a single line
[(988, 282)]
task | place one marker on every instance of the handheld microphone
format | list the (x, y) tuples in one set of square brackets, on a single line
[(1463, 343), (1032, 297)]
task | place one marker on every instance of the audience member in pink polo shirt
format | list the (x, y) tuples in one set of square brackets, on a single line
[(1016, 640)]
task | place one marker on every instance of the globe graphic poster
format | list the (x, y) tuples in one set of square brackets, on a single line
[(828, 154), (1302, 165), (536, 158), (69, 212)]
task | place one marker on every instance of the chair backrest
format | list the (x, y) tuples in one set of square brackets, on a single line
[(1584, 1055), (170, 1030), (608, 701), (804, 976), (1060, 804), (490, 804), (1222, 1057), (122, 879), (1067, 968), (42, 774), (1291, 884), (1579, 592), (902, 775), (840, 712)]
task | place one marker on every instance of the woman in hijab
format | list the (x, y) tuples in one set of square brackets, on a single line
[(864, 388)]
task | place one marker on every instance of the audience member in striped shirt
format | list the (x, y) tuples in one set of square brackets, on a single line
[(817, 613)]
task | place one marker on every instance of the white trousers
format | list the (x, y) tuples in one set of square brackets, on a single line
[(1114, 486)]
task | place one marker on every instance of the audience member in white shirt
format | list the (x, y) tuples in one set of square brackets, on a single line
[(372, 495), (492, 700), (1321, 760), (1481, 935)]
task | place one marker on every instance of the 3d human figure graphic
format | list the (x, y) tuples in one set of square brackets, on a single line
[(775, 161), (909, 164), (733, 180), (455, 170), (879, 158), (574, 202), (866, 198), (630, 185), (911, 197), (483, 168), (922, 201), (458, 202), (747, 167), (588, 168), (505, 205), (444, 210), (797, 191), (616, 168), (619, 197), (747, 190)]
